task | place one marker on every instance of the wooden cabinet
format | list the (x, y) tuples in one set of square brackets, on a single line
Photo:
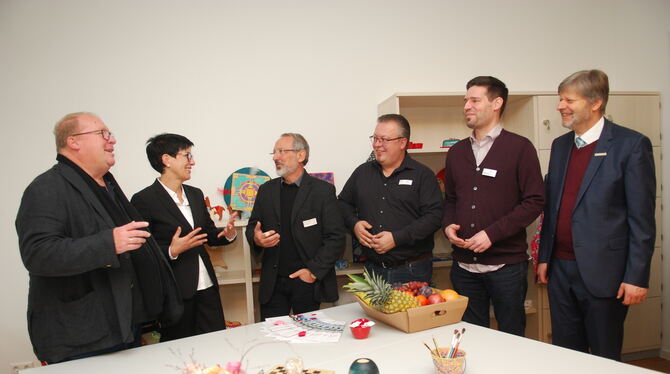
[(435, 117)]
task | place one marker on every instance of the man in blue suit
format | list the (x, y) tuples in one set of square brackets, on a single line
[(598, 232)]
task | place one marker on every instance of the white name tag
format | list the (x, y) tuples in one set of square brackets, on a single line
[(407, 182), (489, 173), (309, 222), (600, 154)]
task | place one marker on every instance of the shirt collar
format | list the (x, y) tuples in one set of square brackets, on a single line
[(297, 181), (491, 136), (593, 134), (174, 195)]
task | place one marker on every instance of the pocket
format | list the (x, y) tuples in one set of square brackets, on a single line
[(71, 324)]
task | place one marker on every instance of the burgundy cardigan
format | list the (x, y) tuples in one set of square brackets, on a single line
[(503, 205)]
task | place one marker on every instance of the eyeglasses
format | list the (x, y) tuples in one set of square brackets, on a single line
[(106, 134), (384, 141), (188, 155), (281, 152)]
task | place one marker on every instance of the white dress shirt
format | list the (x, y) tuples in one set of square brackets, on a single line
[(204, 280)]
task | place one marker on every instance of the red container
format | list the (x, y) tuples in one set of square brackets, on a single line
[(360, 331)]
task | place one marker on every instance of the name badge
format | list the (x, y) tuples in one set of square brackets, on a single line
[(407, 182), (600, 154), (489, 172), (309, 222)]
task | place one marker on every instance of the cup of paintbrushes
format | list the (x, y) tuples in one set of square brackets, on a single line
[(446, 365)]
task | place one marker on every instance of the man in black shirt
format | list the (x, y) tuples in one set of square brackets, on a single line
[(297, 227), (393, 205)]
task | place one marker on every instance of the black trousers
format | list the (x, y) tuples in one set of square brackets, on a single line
[(290, 295), (505, 288), (579, 320), (202, 314)]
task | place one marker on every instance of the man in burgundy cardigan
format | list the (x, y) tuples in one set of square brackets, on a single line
[(494, 190), (598, 232)]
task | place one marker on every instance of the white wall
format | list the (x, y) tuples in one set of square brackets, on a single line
[(233, 75)]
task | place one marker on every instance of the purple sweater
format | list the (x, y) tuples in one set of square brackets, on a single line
[(503, 206)]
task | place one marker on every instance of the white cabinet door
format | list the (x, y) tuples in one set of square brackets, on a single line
[(548, 121), (638, 112)]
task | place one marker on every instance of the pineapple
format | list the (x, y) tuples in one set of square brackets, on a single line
[(379, 294)]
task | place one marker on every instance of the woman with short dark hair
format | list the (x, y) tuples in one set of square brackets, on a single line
[(181, 224)]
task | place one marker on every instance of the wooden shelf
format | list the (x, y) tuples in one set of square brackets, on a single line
[(229, 276)]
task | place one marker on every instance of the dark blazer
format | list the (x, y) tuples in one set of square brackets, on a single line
[(157, 207), (79, 300), (319, 246), (613, 223)]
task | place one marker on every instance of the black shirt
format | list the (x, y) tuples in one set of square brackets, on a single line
[(408, 203)]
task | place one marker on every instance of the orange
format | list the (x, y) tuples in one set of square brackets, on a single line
[(422, 299), (449, 294)]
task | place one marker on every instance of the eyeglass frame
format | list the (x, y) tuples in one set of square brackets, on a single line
[(188, 155), (283, 151), (374, 139), (99, 132)]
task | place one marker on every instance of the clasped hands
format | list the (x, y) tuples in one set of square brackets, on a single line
[(478, 243), (380, 243)]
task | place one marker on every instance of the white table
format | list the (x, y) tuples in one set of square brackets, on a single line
[(394, 351)]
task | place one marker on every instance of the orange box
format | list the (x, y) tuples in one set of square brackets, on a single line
[(422, 317)]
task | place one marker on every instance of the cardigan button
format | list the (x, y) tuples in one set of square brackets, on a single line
[(473, 207), (474, 188), (472, 225)]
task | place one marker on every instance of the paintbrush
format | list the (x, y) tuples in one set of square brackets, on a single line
[(458, 342)]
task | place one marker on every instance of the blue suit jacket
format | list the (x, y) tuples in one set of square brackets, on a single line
[(613, 222)]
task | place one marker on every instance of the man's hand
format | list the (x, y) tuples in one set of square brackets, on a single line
[(479, 243), (128, 237), (383, 242), (362, 234), (265, 239), (542, 273), (450, 232), (229, 230), (305, 275), (631, 294), (182, 244)]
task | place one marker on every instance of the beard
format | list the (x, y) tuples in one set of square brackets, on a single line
[(284, 170)]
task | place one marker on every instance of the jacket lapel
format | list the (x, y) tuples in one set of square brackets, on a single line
[(603, 145), (303, 192), (194, 202), (166, 201), (276, 193), (563, 150), (78, 183)]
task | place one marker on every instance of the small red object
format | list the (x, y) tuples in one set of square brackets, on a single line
[(360, 331), (302, 333)]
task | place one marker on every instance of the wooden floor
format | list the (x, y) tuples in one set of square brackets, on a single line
[(656, 363)]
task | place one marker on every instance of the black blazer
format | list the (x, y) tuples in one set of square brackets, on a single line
[(319, 245), (79, 299), (613, 225), (163, 215)]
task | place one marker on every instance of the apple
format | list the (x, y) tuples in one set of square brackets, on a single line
[(435, 298)]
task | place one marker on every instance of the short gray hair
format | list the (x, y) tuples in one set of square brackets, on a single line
[(592, 84), (299, 144)]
